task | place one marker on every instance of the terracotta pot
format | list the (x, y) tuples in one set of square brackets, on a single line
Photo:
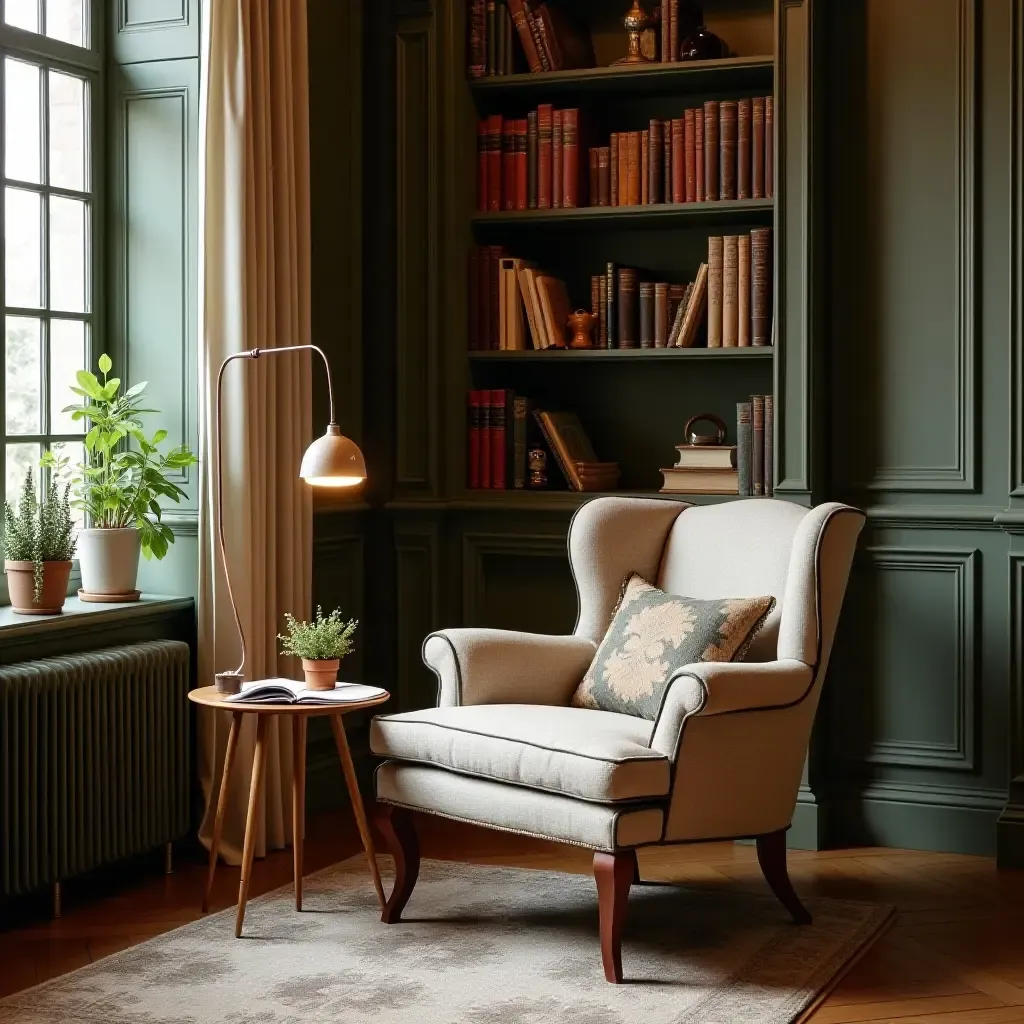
[(109, 560), (321, 674), (21, 586)]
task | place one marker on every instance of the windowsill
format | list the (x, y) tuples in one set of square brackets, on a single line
[(78, 613)]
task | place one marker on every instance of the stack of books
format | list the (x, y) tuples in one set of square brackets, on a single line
[(702, 469)]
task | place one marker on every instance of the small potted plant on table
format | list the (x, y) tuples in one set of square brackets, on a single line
[(321, 644), (39, 543)]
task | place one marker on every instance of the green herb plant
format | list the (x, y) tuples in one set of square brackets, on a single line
[(321, 639), (125, 474), (40, 531)]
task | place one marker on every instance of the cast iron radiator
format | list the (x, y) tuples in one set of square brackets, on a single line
[(94, 753)]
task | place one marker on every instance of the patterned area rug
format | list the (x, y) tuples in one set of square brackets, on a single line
[(482, 945)]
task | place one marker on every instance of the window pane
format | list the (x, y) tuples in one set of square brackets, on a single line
[(20, 459), (75, 454), (67, 254), (23, 248), (67, 131), (21, 121), (65, 19), (22, 349), (67, 357), (23, 13)]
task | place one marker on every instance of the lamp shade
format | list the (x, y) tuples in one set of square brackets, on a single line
[(333, 461)]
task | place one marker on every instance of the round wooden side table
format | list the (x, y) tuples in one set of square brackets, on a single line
[(208, 696)]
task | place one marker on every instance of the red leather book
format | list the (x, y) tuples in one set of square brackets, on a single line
[(624, 168), (727, 149), (743, 118), (757, 148), (495, 129), (482, 142), (557, 159), (613, 170), (531, 160), (477, 39), (545, 167), (473, 292), (666, 33), (678, 161), (508, 165), (572, 182), (521, 168), (698, 151), (711, 150), (594, 175), (633, 191), (690, 156), (485, 439), (518, 11), (666, 167), (655, 161), (769, 147), (604, 180), (673, 30), (645, 167), (501, 436), (473, 474)]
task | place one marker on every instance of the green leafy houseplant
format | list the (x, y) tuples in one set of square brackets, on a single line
[(39, 531), (321, 644), (125, 474)]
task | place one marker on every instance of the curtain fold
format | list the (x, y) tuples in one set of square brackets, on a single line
[(255, 293)]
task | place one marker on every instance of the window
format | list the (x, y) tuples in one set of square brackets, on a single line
[(50, 96)]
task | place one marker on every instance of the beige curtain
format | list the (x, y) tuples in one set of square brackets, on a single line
[(255, 290)]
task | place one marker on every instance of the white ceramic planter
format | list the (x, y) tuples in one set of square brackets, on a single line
[(109, 560)]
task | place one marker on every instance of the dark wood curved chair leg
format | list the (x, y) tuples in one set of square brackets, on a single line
[(614, 873), (771, 855), (399, 831)]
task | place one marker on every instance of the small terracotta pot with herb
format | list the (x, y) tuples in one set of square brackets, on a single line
[(321, 644)]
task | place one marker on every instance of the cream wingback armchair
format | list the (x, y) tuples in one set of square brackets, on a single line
[(722, 759)]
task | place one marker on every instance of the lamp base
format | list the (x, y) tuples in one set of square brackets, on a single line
[(228, 682)]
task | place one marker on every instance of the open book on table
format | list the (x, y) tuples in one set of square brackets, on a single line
[(290, 691)]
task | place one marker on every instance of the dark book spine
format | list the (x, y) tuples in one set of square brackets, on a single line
[(494, 282), (677, 320), (744, 443), (485, 439), (666, 164), (491, 37), (690, 157), (495, 133), (633, 191), (678, 161), (645, 168), (611, 308), (769, 446), (595, 295), (647, 314), (473, 290), (673, 30), (613, 170), (483, 320), (666, 35), (698, 153), (482, 144), (757, 445), (769, 148), (571, 158), (743, 118), (508, 165), (623, 168), (518, 11), (520, 413), (602, 317), (675, 297), (757, 148), (760, 286), (711, 150), (626, 300), (545, 166), (661, 320), (509, 62), (473, 467), (654, 162), (478, 39), (557, 158), (500, 402), (604, 176), (521, 172), (531, 160), (538, 42), (594, 173), (499, 39), (727, 149)]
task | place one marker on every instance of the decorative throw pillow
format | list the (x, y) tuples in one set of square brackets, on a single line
[(653, 634)]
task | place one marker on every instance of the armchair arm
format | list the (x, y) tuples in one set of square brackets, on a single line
[(497, 666), (716, 688)]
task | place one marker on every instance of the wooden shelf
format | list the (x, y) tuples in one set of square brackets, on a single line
[(755, 212), (764, 352), (732, 74), (555, 501)]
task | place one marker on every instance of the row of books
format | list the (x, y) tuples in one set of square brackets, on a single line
[(505, 427), (740, 289), (721, 151), (548, 40)]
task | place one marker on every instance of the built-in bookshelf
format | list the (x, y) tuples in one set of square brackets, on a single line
[(632, 402)]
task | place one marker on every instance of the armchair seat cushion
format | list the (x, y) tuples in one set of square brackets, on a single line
[(590, 755)]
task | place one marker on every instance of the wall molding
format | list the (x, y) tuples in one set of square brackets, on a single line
[(934, 517), (418, 608), (178, 14), (1017, 256)]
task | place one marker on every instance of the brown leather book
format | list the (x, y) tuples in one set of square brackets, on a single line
[(613, 172), (594, 175), (508, 165), (538, 43), (696, 307), (690, 157), (769, 446), (633, 192), (611, 307), (769, 148), (623, 168), (492, 36), (676, 326), (512, 330), (518, 12), (743, 118), (673, 30), (602, 314), (661, 314), (473, 294), (568, 45), (555, 309), (711, 150), (557, 159), (655, 160), (645, 168), (715, 255), (478, 38), (604, 181), (666, 33), (727, 149), (521, 166), (757, 445), (545, 156), (730, 291), (595, 295), (666, 167), (627, 306), (676, 292), (482, 142), (678, 161), (531, 160), (647, 314), (531, 303), (495, 132), (698, 151), (571, 170), (744, 444), (757, 148), (760, 286), (743, 307)]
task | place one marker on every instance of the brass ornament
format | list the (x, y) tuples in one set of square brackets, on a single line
[(693, 438), (581, 323), (635, 21)]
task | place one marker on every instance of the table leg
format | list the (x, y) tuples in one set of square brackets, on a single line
[(298, 800), (222, 803), (258, 765), (349, 769)]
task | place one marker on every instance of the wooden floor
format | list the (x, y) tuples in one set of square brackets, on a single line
[(954, 956)]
